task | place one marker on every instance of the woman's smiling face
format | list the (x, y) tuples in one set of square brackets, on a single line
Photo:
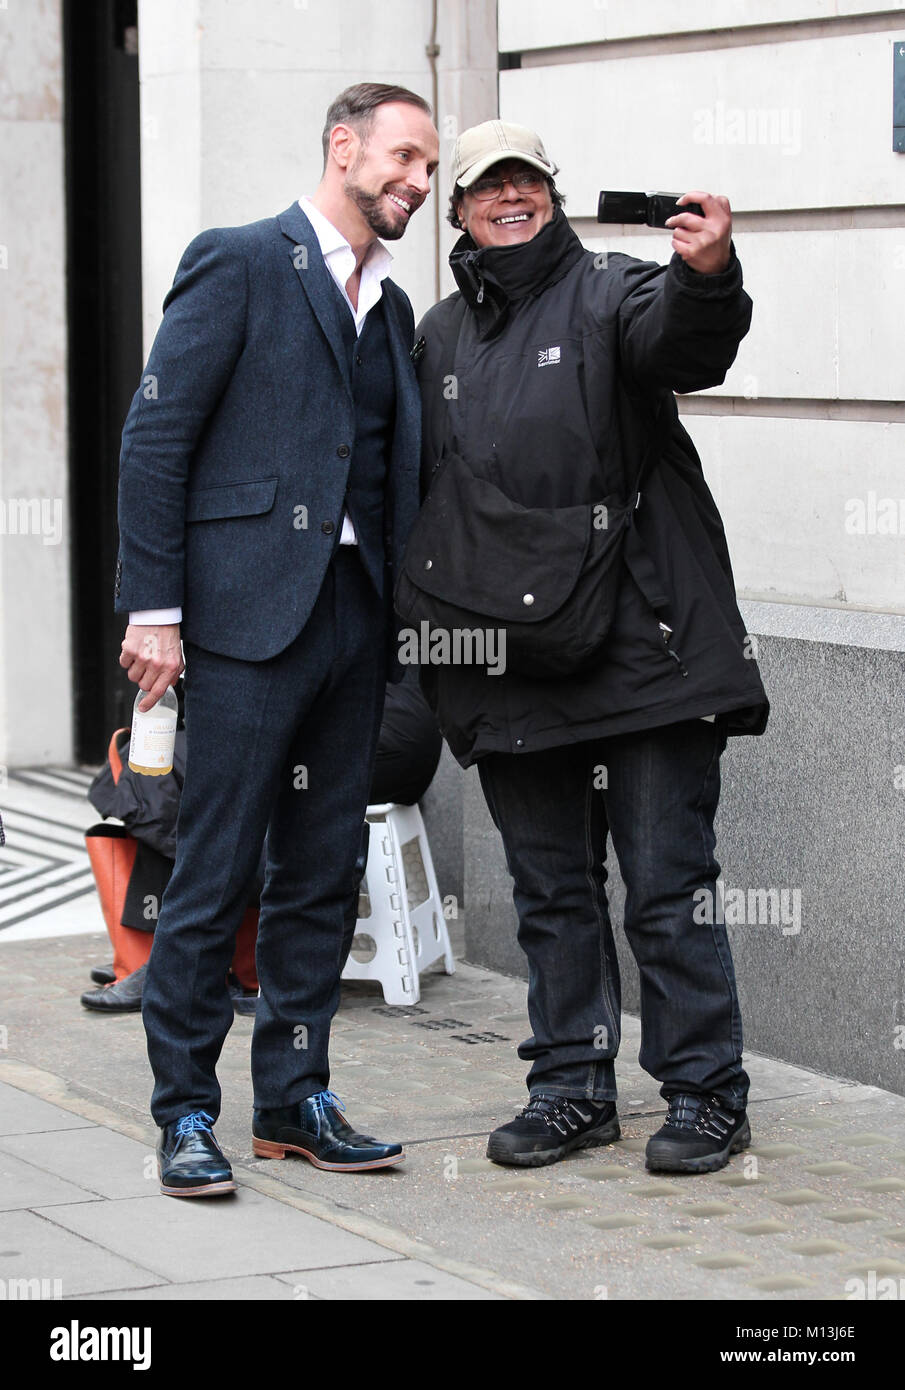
[(511, 216)]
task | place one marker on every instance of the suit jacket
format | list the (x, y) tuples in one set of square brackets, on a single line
[(237, 446)]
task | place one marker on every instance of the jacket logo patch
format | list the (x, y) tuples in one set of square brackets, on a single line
[(546, 357)]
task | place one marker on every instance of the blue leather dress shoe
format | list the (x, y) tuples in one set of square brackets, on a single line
[(190, 1161), (316, 1129)]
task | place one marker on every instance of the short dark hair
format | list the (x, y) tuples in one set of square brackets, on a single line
[(356, 106), (458, 193)]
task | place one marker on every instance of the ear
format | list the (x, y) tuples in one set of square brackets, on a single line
[(344, 145)]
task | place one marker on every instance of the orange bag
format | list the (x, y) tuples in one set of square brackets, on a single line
[(111, 851)]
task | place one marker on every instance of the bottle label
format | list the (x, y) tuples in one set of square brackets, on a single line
[(153, 740)]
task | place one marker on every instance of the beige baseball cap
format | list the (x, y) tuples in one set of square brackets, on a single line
[(483, 145)]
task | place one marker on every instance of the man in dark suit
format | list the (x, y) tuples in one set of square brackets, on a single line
[(268, 482)]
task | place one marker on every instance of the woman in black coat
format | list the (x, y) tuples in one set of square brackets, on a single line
[(551, 374)]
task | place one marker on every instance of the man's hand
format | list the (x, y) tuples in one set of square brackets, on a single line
[(152, 657), (703, 242)]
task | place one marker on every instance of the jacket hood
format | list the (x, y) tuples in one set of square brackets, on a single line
[(494, 277)]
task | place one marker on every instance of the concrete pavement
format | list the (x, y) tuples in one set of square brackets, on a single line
[(815, 1207), (816, 1203)]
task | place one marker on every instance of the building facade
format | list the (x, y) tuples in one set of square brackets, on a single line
[(786, 106)]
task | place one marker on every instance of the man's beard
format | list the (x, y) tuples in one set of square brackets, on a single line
[(381, 221)]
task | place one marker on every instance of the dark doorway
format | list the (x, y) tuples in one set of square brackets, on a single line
[(103, 205)]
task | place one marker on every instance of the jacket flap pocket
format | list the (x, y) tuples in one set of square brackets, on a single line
[(231, 499), (476, 548)]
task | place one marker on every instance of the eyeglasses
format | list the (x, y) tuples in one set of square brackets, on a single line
[(524, 181)]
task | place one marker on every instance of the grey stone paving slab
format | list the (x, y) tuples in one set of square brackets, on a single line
[(22, 1185), (729, 1259), (409, 1280), (615, 1220), (533, 1242), (814, 1248), (776, 1150), (21, 1113), (783, 1283), (878, 1266), (33, 1246), (849, 1216), (191, 1240), (798, 1197), (679, 1245), (254, 1288), (606, 1172), (98, 1160), (674, 1241)]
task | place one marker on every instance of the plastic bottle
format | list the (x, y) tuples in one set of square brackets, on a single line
[(154, 735)]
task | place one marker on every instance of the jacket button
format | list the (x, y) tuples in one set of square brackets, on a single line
[(328, 528), (527, 599), (519, 743), (343, 451)]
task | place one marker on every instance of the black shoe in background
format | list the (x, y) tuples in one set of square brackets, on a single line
[(550, 1127), (698, 1135), (122, 998), (103, 974), (190, 1161)]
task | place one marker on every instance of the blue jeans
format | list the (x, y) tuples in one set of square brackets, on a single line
[(656, 792)]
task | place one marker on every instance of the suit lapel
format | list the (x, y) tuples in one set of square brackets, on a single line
[(407, 402), (315, 280)]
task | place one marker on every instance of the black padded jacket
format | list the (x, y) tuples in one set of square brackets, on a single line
[(547, 384)]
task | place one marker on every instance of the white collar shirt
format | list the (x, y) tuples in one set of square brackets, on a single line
[(339, 259)]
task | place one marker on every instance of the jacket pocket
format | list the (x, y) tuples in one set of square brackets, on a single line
[(231, 499)]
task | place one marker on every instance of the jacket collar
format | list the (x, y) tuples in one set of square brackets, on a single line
[(494, 277), (313, 273), (330, 239)]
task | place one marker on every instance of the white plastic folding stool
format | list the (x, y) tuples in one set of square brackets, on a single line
[(405, 921)]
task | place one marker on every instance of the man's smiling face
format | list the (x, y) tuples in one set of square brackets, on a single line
[(389, 178), (513, 215)]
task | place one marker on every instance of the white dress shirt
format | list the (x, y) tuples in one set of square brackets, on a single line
[(339, 259)]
